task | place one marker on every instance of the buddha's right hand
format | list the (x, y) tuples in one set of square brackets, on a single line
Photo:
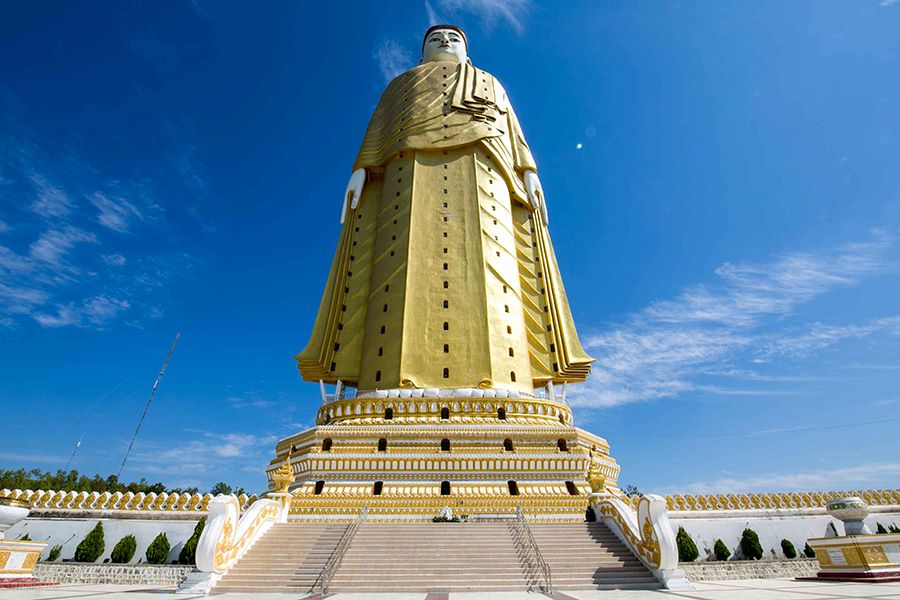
[(354, 191)]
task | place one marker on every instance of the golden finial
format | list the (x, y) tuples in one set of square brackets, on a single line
[(284, 475)]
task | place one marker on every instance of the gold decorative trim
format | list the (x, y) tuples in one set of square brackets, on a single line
[(769, 501), (59, 500)]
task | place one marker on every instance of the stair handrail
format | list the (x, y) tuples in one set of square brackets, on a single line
[(334, 561), (534, 549), (647, 532)]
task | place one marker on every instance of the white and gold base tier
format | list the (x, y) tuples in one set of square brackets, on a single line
[(408, 457)]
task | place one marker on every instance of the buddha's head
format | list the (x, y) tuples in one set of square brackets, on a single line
[(444, 42)]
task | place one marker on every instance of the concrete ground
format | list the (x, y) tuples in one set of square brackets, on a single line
[(751, 589)]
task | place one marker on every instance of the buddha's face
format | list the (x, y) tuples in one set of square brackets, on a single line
[(444, 44)]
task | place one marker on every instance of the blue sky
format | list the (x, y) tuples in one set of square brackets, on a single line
[(724, 194)]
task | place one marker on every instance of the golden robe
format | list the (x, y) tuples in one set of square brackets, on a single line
[(444, 276)]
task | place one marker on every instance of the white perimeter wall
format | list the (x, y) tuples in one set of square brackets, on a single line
[(69, 532), (772, 526)]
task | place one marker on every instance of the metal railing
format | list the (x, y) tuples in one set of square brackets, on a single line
[(532, 549), (334, 561)]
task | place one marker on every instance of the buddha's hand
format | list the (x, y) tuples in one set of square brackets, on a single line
[(354, 191), (536, 193)]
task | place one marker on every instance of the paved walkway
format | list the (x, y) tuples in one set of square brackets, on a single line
[(750, 589)]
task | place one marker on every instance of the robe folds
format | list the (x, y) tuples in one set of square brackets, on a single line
[(444, 275)]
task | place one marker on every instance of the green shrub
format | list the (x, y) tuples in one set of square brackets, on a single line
[(188, 553), (721, 550), (750, 546), (788, 548), (687, 549), (893, 528), (881, 529), (158, 550), (25, 538), (808, 551), (92, 546), (55, 551), (124, 550)]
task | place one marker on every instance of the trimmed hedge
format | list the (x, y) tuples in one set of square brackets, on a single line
[(788, 548), (721, 550), (124, 550), (55, 551), (188, 553), (808, 551), (158, 550), (92, 546), (687, 549), (750, 545)]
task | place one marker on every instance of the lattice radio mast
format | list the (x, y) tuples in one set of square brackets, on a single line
[(159, 377)]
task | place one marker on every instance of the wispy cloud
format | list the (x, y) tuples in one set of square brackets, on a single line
[(392, 59), (115, 213), (51, 201), (53, 245), (663, 350), (66, 265), (489, 13), (867, 476), (215, 455)]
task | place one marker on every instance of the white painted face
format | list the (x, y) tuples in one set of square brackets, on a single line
[(444, 44)]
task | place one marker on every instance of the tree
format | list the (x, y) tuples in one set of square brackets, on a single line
[(687, 549), (750, 546), (124, 550), (188, 553), (55, 551), (721, 550), (632, 490), (808, 551), (788, 548), (92, 546), (220, 488), (158, 550)]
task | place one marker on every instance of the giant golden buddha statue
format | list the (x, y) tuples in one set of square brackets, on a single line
[(444, 275), (444, 325)]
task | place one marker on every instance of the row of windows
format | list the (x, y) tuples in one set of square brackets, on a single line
[(445, 412), (512, 486), (561, 444)]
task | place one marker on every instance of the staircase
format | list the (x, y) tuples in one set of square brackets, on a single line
[(288, 558), (436, 557), (422, 557), (589, 556)]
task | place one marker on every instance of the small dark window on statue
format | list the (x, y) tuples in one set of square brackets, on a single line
[(513, 488), (562, 445), (333, 366), (445, 414), (512, 376), (446, 326), (446, 284), (446, 348), (446, 373), (377, 375), (445, 485), (445, 445), (501, 413), (446, 266), (320, 485), (508, 445), (384, 309), (446, 304), (388, 414), (337, 347), (381, 351), (382, 329), (326, 444), (376, 489), (573, 491), (511, 353), (382, 445)]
